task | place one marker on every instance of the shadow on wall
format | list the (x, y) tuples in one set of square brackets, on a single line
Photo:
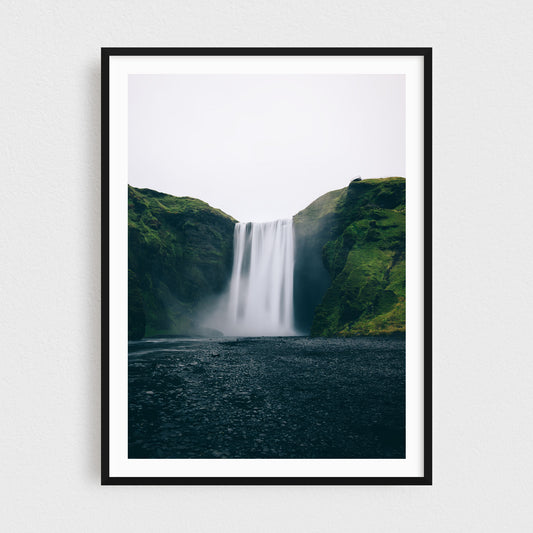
[(91, 200)]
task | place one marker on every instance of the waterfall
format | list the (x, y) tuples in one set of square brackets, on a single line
[(260, 301)]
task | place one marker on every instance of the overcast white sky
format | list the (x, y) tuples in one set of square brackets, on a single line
[(263, 147)]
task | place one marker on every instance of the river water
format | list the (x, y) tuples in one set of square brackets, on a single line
[(267, 397)]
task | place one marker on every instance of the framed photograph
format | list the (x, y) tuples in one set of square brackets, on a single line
[(266, 266)]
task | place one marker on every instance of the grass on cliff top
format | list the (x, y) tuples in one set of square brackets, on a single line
[(370, 191), (171, 204), (377, 181), (151, 213), (321, 207)]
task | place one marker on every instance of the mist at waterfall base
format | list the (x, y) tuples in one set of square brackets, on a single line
[(259, 301)]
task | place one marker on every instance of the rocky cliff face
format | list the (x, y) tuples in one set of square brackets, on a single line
[(358, 236), (313, 228), (180, 252)]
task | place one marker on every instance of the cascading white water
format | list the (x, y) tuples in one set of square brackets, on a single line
[(260, 299)]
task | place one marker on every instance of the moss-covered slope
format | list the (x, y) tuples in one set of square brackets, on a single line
[(360, 233), (179, 254)]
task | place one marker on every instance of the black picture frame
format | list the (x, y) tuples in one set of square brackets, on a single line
[(426, 55)]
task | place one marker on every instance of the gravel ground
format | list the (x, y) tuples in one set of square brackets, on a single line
[(269, 397)]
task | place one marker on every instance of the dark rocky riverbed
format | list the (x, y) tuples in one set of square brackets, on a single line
[(277, 397)]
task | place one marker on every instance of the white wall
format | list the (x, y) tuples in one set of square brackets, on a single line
[(50, 283)]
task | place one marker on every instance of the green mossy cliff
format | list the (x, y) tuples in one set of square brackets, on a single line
[(180, 252), (349, 276), (358, 236)]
